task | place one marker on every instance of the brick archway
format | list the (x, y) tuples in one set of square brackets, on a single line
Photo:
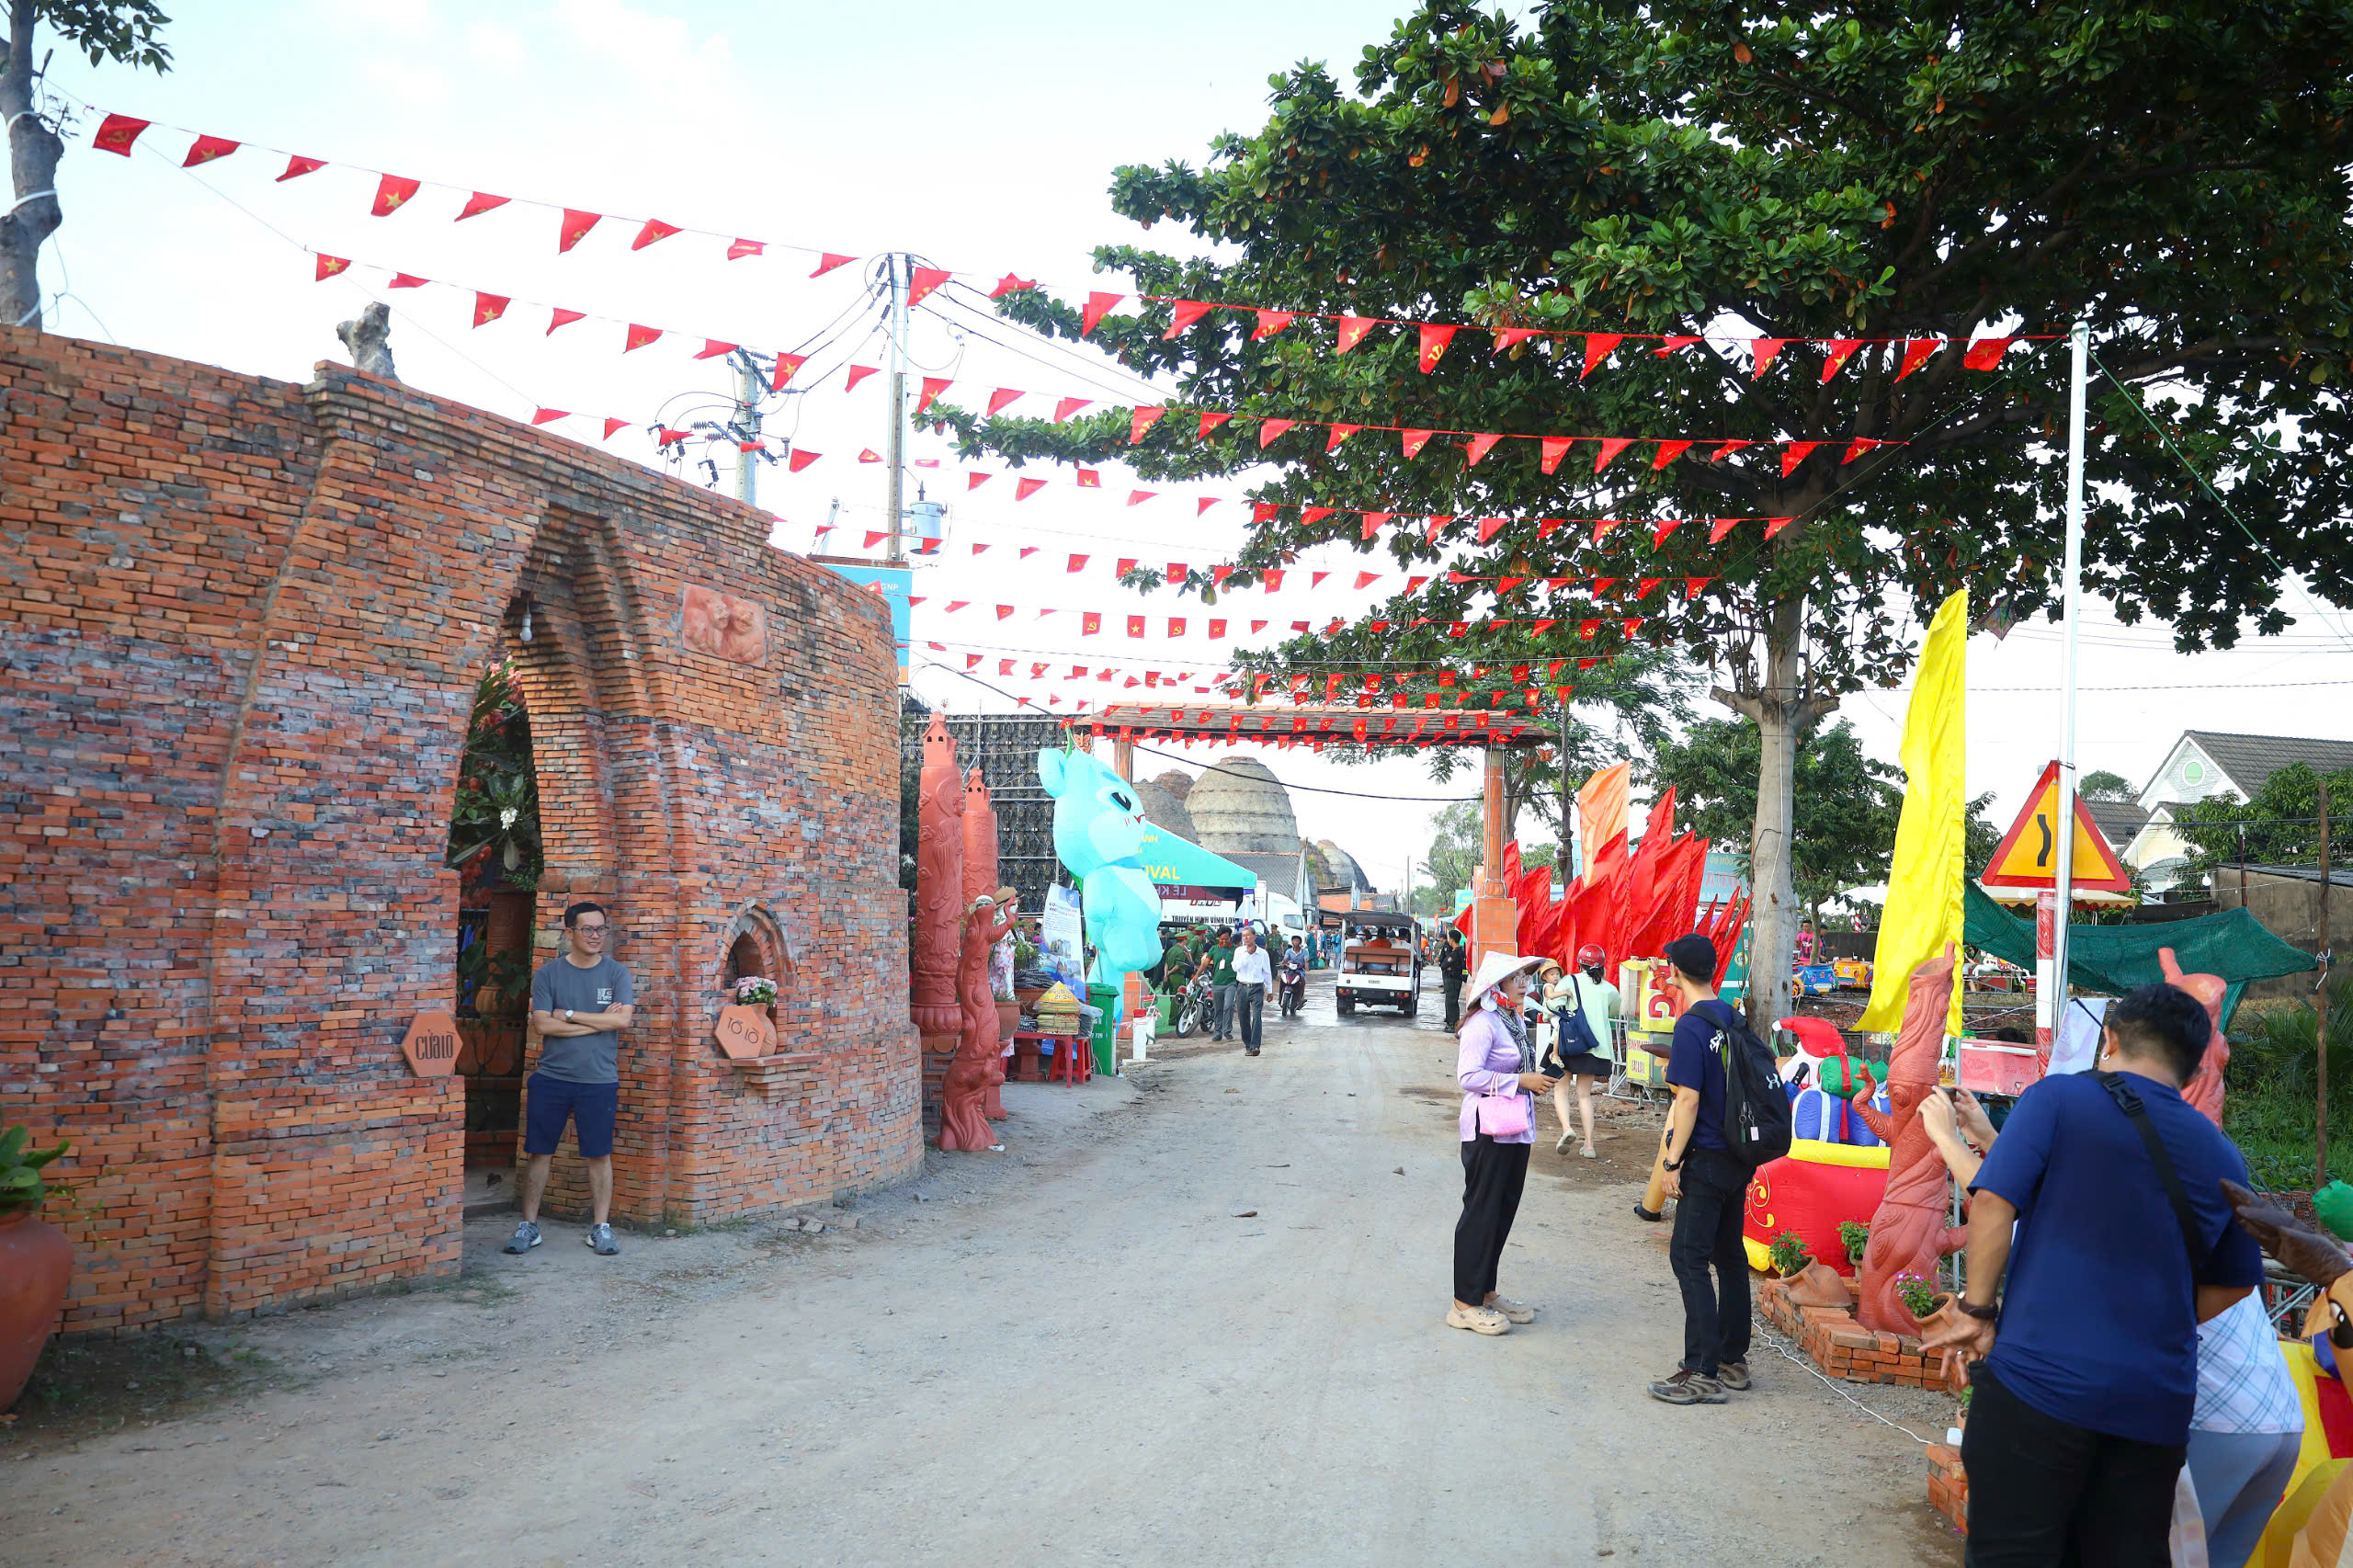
[(241, 702)]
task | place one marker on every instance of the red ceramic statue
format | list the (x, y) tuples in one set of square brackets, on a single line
[(940, 903), (2204, 1089), (980, 881), (1909, 1234), (962, 1124)]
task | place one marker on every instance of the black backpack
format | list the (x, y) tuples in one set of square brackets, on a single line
[(1757, 1121)]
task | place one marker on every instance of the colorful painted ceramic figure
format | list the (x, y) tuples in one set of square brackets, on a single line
[(1909, 1233)]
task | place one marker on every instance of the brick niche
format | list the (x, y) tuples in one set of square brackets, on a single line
[(242, 624)]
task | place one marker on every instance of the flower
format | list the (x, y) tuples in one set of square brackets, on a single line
[(507, 816)]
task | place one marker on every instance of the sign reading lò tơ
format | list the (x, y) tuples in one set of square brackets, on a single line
[(745, 1032)]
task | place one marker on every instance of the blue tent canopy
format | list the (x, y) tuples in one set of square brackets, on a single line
[(1171, 862)]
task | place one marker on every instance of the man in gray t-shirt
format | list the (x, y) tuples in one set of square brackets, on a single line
[(581, 1000)]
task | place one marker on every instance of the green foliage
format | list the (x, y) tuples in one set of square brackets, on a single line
[(508, 975), (21, 1186), (125, 31), (1788, 1254), (2273, 1086), (1846, 803), (2174, 176), (1919, 1296), (2279, 827), (1854, 1235), (496, 814), (2099, 784)]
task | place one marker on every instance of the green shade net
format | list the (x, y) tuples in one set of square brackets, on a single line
[(2112, 960)]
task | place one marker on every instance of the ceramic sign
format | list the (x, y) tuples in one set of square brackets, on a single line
[(745, 1033), (431, 1045), (711, 622)]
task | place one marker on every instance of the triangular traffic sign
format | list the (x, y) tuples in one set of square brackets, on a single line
[(2028, 855)]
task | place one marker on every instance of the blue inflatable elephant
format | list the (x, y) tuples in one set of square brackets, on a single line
[(1099, 836)]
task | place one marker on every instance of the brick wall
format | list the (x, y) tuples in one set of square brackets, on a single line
[(242, 624)]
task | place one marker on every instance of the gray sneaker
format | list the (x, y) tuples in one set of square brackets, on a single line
[(527, 1237), (600, 1241), (1687, 1387)]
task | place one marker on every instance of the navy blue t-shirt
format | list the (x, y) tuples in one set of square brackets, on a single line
[(1692, 1063), (2100, 1322)]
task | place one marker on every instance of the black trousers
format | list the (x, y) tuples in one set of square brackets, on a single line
[(1493, 1177), (1707, 1231), (1453, 1003), (2044, 1492)]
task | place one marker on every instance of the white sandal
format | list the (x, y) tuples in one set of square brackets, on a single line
[(1478, 1319)]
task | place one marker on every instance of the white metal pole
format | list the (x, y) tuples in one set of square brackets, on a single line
[(747, 419), (2073, 610), (895, 449)]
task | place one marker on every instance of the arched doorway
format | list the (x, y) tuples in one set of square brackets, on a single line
[(495, 847)]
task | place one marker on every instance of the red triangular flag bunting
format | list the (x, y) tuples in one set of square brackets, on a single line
[(1796, 453), (1477, 447), (613, 425), (407, 280), (1352, 330), (639, 336), (859, 373), (1270, 429), (1726, 449), (1507, 337), (1136, 496), (1098, 304), (1857, 447), (1185, 313), (1841, 350), (574, 228), (1208, 423), (1691, 586), (1432, 528), (1366, 579), (1668, 451), (1203, 505), (558, 317), (1414, 440), (117, 132), (1674, 342), (1610, 447), (1009, 284), (1065, 407), (330, 265), (738, 249), (1002, 398), (297, 165), (1272, 322), (1722, 527), (1077, 563), (207, 148), (392, 193), (712, 348), (1986, 353), (1434, 342), (932, 387), (802, 457), (922, 280), (1556, 448), (655, 230), (488, 308), (827, 261), (1761, 350), (1598, 348), (1339, 434), (1024, 488), (1917, 352), (1775, 525), (1489, 527), (786, 366), (549, 416), (1372, 521)]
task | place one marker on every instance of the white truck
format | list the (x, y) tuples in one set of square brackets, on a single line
[(1377, 963)]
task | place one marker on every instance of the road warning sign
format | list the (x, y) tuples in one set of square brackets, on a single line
[(2028, 855)]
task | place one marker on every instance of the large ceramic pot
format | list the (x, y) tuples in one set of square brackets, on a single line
[(1009, 1019), (36, 1260)]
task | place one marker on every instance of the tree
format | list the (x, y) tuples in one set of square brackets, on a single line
[(1845, 814), (124, 31), (2172, 175), (1455, 850), (2280, 826), (2101, 785)]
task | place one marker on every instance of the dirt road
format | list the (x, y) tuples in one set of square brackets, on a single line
[(1193, 1316)]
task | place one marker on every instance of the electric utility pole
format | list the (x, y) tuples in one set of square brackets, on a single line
[(747, 428), (895, 449)]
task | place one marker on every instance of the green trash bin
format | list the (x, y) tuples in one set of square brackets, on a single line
[(1167, 1005), (1107, 1026)]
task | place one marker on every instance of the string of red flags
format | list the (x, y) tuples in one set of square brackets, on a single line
[(1139, 624), (1433, 338)]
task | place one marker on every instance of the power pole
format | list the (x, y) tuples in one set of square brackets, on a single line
[(748, 388), (895, 449)]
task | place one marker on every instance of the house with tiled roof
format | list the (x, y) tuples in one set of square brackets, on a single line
[(2201, 765)]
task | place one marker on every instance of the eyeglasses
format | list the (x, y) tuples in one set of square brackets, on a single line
[(590, 930)]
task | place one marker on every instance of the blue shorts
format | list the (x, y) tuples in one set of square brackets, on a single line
[(590, 1108)]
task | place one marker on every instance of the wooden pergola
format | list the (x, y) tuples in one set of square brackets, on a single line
[(1494, 918)]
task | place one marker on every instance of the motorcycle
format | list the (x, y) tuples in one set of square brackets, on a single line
[(1293, 979), (1196, 1007)]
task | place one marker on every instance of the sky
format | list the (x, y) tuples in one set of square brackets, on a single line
[(977, 142)]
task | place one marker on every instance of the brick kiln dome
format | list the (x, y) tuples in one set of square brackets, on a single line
[(1240, 808), (1165, 810)]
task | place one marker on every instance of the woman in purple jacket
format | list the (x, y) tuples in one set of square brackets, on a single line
[(1495, 1058)]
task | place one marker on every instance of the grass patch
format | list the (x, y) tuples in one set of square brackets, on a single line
[(87, 1386), (2274, 1088)]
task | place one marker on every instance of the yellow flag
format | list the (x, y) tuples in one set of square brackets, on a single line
[(1931, 837)]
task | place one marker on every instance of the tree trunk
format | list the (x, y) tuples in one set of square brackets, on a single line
[(1783, 717), (33, 151)]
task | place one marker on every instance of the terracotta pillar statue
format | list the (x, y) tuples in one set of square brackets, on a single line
[(1495, 917), (940, 903), (980, 881), (2204, 1089), (962, 1124), (1910, 1234)]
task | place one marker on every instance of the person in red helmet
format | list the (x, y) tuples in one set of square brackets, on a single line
[(1585, 1061)]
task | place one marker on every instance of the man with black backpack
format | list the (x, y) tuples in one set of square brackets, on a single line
[(1729, 1118), (2087, 1371)]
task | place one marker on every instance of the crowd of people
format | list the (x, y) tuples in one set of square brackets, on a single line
[(2121, 1361)]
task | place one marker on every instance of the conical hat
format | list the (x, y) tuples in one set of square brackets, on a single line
[(1493, 969)]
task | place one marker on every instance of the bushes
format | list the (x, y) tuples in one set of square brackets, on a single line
[(2273, 1083)]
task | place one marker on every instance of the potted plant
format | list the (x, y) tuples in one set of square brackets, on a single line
[(1788, 1254), (1920, 1298), (754, 990), (1855, 1236), (36, 1261)]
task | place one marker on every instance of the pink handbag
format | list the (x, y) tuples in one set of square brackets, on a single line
[(1504, 1116)]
